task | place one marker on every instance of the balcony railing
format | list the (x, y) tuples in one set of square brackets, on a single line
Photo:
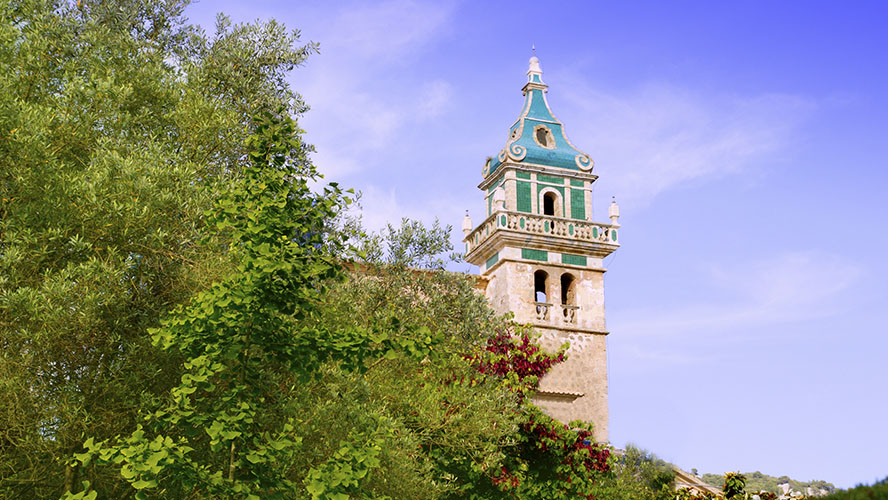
[(569, 314), (544, 225), (542, 311)]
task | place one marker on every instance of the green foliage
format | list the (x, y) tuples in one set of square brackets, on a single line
[(412, 244), (118, 124), (448, 424), (757, 481), (125, 130), (554, 460), (877, 491), (637, 475), (735, 484), (217, 435), (340, 477), (462, 424), (114, 135), (713, 479)]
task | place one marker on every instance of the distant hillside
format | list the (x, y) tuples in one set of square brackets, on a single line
[(878, 491), (756, 481)]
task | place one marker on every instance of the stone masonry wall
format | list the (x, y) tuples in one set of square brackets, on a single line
[(577, 388)]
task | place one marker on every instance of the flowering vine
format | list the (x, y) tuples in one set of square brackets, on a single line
[(553, 460)]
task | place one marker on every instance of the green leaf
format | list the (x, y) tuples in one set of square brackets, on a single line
[(127, 472), (229, 435), (142, 484), (214, 429), (315, 488)]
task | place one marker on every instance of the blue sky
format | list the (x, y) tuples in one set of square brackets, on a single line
[(746, 144)]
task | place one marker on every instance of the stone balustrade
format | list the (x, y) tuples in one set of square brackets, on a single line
[(543, 225), (568, 314), (542, 311)]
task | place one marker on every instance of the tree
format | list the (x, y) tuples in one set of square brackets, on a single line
[(489, 440), (119, 124), (876, 491), (221, 432), (456, 420), (410, 245), (442, 417), (637, 475)]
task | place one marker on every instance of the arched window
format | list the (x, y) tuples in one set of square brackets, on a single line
[(539, 286), (549, 203), (568, 290)]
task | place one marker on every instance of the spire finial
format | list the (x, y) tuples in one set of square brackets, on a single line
[(533, 49), (613, 211), (534, 64)]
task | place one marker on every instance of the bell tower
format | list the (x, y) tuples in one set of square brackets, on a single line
[(542, 253)]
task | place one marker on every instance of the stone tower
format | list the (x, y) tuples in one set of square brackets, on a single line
[(541, 253)]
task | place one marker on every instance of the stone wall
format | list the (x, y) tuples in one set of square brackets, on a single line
[(577, 388)]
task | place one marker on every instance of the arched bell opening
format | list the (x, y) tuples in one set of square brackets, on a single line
[(568, 290), (540, 286), (541, 294), (569, 305), (550, 202)]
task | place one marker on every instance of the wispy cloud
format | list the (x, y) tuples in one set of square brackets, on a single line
[(433, 99), (792, 283), (367, 99), (390, 30), (656, 137), (789, 287), (380, 206), (359, 109)]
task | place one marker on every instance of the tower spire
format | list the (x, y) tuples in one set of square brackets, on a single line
[(541, 252)]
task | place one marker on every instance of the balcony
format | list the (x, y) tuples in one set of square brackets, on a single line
[(566, 315), (569, 314), (542, 311), (520, 223)]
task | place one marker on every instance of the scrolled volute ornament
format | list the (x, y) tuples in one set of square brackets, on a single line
[(517, 152), (584, 162)]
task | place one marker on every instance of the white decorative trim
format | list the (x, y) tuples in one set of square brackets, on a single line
[(526, 166), (576, 394), (559, 202)]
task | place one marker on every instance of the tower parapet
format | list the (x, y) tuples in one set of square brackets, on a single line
[(542, 253)]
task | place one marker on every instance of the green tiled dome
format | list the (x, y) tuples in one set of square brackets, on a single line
[(538, 137)]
